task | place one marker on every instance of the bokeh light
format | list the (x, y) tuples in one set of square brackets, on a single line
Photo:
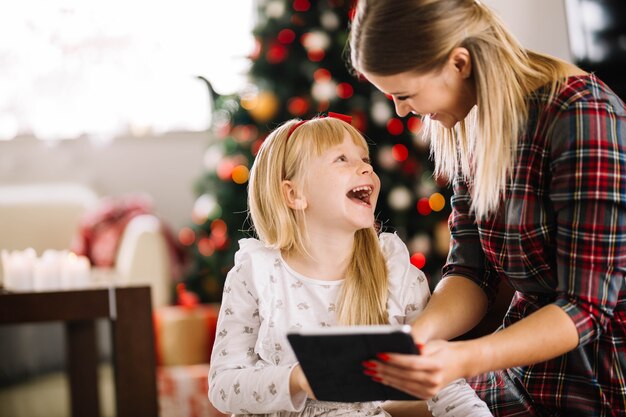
[(437, 202), (418, 260), (423, 206)]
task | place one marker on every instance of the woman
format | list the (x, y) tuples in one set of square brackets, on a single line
[(534, 148)]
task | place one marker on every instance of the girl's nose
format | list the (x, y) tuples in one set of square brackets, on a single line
[(366, 168)]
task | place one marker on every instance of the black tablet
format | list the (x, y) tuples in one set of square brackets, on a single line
[(331, 358)]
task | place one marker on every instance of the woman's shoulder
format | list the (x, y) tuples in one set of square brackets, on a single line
[(580, 89)]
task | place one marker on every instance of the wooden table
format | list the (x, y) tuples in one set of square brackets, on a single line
[(129, 310)]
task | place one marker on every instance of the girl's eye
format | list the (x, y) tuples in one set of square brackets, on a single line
[(342, 158), (402, 98), (367, 160)]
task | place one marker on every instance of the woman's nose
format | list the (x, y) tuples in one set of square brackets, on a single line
[(402, 108)]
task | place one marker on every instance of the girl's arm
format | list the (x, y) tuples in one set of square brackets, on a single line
[(240, 380)]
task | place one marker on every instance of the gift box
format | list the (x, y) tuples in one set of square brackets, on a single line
[(184, 335), (183, 392)]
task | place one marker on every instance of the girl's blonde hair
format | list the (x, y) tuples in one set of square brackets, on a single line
[(389, 37), (283, 157)]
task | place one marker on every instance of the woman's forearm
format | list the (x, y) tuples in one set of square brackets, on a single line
[(456, 306), (543, 335)]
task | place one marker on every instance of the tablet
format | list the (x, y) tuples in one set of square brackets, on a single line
[(331, 358)]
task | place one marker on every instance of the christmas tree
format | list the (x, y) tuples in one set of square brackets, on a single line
[(299, 70)]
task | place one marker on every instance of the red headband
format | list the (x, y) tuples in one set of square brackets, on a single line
[(344, 117)]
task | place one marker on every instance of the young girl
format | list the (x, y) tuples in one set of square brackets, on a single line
[(318, 262)]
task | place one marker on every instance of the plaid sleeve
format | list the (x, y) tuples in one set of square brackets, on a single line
[(588, 191), (466, 257)]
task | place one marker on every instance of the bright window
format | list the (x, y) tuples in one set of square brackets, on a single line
[(100, 69)]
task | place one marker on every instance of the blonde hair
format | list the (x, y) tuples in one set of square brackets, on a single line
[(283, 157), (389, 37)]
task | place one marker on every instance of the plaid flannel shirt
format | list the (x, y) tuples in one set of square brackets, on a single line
[(558, 237)]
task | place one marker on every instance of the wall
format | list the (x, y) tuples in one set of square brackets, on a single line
[(539, 25), (165, 167)]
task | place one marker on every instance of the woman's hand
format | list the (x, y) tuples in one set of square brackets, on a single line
[(423, 375), (298, 382)]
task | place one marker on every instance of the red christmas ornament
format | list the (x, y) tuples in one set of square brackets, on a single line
[(286, 36), (301, 5), (315, 55), (218, 227), (423, 206), (225, 169), (418, 260), (206, 247), (414, 124), (409, 167), (322, 75), (186, 236), (276, 54), (297, 106), (344, 90), (399, 152), (395, 126)]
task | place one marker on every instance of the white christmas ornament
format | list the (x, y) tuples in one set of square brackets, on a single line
[(212, 156), (385, 157), (381, 112), (330, 21), (205, 207), (326, 90), (275, 9), (420, 243), (400, 198), (316, 40)]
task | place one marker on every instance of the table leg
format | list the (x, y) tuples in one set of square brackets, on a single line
[(134, 356), (82, 368)]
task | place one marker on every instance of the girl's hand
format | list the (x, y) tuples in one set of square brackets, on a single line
[(298, 382), (423, 375)]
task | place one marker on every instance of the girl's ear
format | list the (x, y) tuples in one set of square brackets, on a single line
[(294, 199)]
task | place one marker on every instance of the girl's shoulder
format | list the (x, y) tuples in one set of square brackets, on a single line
[(408, 286), (392, 246), (253, 251), (397, 257)]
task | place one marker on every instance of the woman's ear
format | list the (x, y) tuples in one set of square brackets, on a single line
[(461, 59), (294, 199)]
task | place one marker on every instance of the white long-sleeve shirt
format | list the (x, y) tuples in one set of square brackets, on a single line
[(263, 299)]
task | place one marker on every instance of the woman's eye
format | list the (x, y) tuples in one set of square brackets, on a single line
[(367, 160), (402, 98)]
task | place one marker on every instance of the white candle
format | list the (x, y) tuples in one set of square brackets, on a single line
[(47, 270), (18, 270), (75, 271)]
